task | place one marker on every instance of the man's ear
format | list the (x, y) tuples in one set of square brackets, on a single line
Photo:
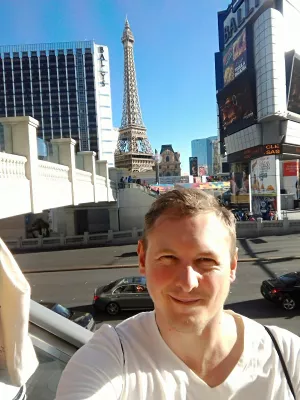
[(233, 266), (142, 256)]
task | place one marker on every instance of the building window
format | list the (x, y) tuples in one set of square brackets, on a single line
[(167, 159)]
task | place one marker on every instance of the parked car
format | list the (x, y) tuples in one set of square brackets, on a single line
[(128, 293), (284, 290), (83, 319)]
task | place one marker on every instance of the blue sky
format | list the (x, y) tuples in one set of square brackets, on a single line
[(175, 41)]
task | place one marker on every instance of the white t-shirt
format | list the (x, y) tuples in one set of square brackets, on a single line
[(153, 372)]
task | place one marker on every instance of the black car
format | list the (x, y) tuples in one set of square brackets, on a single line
[(284, 290), (128, 293), (83, 319)]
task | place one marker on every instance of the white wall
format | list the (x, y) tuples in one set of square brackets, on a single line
[(291, 13), (269, 55), (244, 139), (133, 204)]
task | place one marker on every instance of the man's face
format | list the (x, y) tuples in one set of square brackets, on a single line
[(189, 269)]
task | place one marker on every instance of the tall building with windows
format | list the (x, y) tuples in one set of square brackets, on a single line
[(203, 150), (66, 87)]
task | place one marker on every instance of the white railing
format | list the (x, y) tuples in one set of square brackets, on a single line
[(53, 171), (110, 237), (245, 229), (12, 166), (47, 184), (83, 176)]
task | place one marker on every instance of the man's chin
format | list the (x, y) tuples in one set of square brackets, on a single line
[(194, 323)]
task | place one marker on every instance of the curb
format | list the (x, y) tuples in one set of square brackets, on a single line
[(121, 266)]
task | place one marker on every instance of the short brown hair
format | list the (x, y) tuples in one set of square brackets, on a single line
[(189, 202)]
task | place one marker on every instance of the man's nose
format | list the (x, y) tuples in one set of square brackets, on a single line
[(188, 278)]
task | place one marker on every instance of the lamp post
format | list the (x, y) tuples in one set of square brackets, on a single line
[(157, 159)]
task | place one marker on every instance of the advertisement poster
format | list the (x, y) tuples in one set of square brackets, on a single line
[(239, 183), (203, 170), (237, 105), (193, 166), (291, 168), (235, 58), (294, 96), (261, 205), (263, 178)]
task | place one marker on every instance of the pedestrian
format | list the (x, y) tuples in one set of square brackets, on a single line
[(189, 347), (129, 179), (126, 180)]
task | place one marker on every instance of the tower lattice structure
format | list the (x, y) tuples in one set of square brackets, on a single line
[(133, 150)]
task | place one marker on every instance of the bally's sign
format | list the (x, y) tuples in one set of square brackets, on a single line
[(240, 12)]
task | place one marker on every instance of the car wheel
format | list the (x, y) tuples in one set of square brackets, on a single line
[(288, 303), (112, 309)]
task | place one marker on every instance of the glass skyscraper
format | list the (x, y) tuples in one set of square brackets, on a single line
[(203, 150), (66, 87)]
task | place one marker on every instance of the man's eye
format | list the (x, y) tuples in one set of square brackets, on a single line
[(168, 257), (206, 260)]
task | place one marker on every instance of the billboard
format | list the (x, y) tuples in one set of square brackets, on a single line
[(263, 176), (294, 92), (291, 168), (237, 105), (238, 14), (235, 58), (203, 170), (193, 166)]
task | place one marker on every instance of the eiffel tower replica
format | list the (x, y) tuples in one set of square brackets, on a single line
[(133, 151)]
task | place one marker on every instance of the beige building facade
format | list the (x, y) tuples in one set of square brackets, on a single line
[(169, 161)]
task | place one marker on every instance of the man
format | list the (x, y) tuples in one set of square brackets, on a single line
[(189, 347)]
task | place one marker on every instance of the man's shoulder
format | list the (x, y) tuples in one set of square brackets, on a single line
[(137, 323), (286, 339)]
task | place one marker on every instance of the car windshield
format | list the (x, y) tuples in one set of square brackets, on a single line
[(59, 309), (111, 285), (135, 279), (288, 278)]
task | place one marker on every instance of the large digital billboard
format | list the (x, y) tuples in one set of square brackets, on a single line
[(193, 166), (235, 58), (294, 91), (237, 105)]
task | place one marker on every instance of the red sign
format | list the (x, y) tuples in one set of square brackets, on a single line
[(290, 168)]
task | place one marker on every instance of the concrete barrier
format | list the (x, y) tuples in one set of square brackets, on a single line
[(245, 229)]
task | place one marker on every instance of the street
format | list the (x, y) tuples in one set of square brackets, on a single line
[(263, 247), (75, 289)]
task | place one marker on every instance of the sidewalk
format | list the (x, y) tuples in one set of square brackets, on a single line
[(270, 247)]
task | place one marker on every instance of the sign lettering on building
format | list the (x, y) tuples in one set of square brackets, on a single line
[(255, 152), (102, 59), (240, 12)]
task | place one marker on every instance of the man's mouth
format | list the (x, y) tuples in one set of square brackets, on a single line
[(185, 300)]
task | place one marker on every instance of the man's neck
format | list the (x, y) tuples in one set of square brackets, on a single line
[(211, 354)]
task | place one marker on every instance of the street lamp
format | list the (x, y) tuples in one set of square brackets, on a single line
[(157, 158)]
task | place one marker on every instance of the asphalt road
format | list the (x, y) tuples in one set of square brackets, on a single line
[(75, 289), (264, 247)]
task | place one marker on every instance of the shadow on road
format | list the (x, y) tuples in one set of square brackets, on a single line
[(260, 309), (126, 255), (246, 246)]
